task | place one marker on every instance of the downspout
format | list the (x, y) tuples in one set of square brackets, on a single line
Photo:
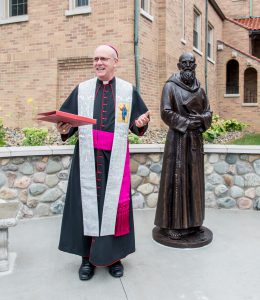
[(136, 45), (206, 47), (251, 9)]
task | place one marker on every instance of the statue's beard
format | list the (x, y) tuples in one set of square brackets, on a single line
[(187, 76)]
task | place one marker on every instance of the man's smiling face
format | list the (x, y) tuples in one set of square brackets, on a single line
[(104, 62)]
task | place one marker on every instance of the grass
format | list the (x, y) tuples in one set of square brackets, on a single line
[(248, 139)]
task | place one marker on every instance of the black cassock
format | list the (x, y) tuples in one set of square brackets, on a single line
[(102, 250)]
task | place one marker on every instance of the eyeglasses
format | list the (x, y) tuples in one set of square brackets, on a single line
[(102, 59)]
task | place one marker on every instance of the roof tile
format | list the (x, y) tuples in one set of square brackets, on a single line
[(249, 23)]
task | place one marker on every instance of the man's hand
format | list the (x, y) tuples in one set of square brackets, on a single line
[(143, 120), (63, 128)]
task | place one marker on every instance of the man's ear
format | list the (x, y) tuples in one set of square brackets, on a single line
[(195, 66), (116, 62), (179, 66)]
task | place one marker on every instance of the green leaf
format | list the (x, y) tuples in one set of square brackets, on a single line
[(34, 136)]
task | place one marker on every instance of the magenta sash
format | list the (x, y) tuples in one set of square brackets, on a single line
[(104, 141)]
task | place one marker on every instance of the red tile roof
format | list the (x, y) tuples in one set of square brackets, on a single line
[(249, 23)]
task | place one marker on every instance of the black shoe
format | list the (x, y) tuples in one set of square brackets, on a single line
[(116, 270), (86, 270)]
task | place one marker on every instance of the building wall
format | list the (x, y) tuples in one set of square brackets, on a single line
[(31, 51), (45, 65), (239, 8), (233, 107), (162, 6), (217, 23), (176, 43), (236, 36), (43, 59), (149, 61)]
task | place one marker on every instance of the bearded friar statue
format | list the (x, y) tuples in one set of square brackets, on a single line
[(181, 201)]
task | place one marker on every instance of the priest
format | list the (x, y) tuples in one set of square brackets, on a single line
[(97, 221)]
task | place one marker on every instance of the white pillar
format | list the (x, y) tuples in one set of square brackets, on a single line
[(4, 261)]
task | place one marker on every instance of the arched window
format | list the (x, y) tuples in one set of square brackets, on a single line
[(232, 81), (250, 85)]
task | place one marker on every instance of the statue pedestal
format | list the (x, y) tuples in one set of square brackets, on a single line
[(201, 238), (8, 218)]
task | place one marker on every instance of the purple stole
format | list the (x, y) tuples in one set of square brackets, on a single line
[(104, 141)]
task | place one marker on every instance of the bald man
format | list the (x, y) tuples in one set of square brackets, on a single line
[(97, 221)]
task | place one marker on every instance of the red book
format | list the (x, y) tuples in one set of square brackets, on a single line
[(56, 116)]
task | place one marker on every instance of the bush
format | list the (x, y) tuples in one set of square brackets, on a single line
[(2, 134), (73, 139), (34, 136), (234, 125), (220, 126), (134, 139)]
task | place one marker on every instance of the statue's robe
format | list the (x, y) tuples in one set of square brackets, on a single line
[(181, 199), (101, 250)]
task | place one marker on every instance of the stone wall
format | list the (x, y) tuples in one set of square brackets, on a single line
[(37, 177), (232, 180)]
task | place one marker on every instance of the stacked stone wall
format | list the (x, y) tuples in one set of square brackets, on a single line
[(232, 180)]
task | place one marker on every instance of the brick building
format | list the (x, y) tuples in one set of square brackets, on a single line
[(47, 46)]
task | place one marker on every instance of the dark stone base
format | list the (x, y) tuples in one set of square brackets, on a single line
[(199, 239)]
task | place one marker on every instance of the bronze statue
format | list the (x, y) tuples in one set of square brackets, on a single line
[(181, 202)]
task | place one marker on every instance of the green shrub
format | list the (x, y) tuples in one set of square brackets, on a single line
[(134, 139), (234, 125), (34, 136), (2, 134), (220, 126), (73, 139), (216, 129)]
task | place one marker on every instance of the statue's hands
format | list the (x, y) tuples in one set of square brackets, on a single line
[(196, 121), (194, 124), (196, 116)]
